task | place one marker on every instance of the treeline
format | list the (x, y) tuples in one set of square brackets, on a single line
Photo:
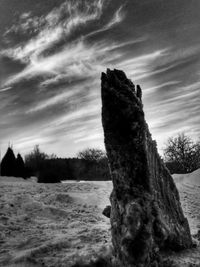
[(181, 155), (90, 164)]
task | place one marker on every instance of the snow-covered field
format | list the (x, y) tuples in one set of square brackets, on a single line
[(55, 225), (52, 224), (189, 189)]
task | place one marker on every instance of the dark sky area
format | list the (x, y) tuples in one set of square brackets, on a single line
[(52, 53)]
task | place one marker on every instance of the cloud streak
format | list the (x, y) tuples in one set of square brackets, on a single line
[(52, 60), (59, 23)]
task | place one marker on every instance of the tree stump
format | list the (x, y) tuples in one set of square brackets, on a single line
[(146, 214)]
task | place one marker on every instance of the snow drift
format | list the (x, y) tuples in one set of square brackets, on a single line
[(192, 178), (57, 224)]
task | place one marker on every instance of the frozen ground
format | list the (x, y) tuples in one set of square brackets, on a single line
[(189, 189), (54, 225)]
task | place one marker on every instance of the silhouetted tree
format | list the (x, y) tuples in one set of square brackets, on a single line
[(20, 167), (35, 160), (182, 155), (8, 164)]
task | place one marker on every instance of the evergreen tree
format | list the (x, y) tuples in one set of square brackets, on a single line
[(8, 163), (20, 167)]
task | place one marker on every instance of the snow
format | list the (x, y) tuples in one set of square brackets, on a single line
[(192, 178), (52, 224), (189, 190), (57, 224)]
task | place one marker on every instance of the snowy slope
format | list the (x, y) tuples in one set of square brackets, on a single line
[(52, 224), (190, 178), (55, 224), (189, 189)]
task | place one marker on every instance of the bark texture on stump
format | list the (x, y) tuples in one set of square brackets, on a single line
[(146, 214)]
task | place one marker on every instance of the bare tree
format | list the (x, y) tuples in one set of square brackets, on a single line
[(35, 159), (92, 154), (182, 152)]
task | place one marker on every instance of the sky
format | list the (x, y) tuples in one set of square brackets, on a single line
[(52, 53)]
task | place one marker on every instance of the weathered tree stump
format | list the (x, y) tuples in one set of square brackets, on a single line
[(146, 214)]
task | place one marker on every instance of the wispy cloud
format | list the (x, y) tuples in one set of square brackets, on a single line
[(5, 89), (160, 86), (53, 101), (58, 24), (117, 18), (77, 59), (52, 59), (93, 136)]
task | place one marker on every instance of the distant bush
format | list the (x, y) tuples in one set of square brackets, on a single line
[(53, 171), (48, 176)]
